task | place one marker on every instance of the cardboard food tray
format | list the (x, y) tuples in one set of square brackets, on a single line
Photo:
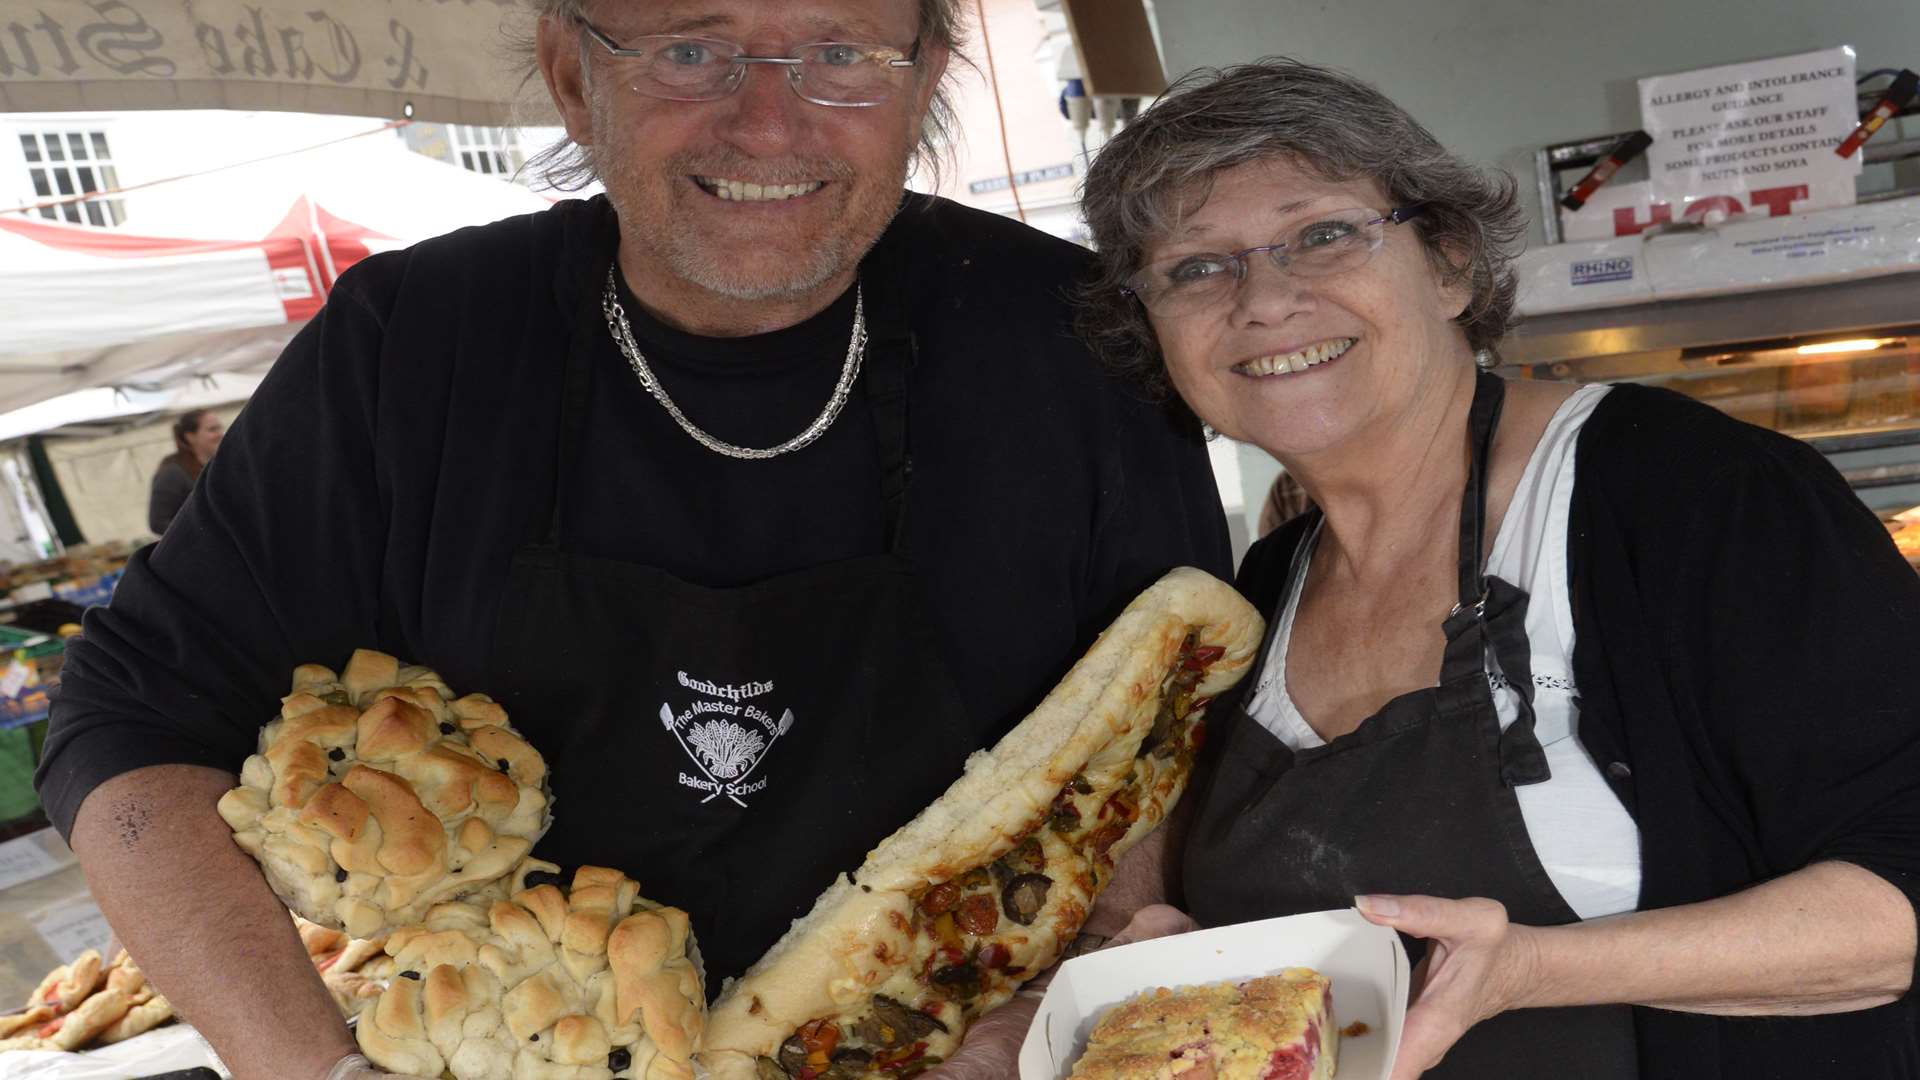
[(164, 1049), (1367, 964)]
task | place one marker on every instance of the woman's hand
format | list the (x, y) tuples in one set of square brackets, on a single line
[(1477, 965)]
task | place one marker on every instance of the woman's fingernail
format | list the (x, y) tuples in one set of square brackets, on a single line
[(1384, 906)]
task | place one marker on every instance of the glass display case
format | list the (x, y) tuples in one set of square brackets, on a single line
[(1835, 365)]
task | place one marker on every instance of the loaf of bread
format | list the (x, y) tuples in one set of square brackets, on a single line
[(587, 982), (377, 794)]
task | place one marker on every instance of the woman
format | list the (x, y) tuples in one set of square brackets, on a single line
[(195, 437), (1666, 786)]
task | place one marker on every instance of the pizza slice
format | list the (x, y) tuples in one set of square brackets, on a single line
[(987, 886), (1278, 1027)]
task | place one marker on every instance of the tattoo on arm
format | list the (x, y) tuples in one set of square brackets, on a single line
[(130, 819)]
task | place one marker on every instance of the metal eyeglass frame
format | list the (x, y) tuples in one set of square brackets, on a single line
[(1238, 259), (739, 63)]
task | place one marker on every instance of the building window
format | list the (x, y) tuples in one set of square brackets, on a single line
[(490, 151), (67, 163)]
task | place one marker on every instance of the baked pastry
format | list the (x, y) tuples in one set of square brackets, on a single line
[(82, 1004), (589, 982), (353, 969), (377, 794), (1279, 1027), (988, 885)]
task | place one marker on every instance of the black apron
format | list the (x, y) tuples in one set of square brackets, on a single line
[(1417, 799), (732, 749)]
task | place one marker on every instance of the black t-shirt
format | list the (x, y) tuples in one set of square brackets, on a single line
[(376, 487), (758, 391)]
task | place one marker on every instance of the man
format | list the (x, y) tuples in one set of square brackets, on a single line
[(752, 430)]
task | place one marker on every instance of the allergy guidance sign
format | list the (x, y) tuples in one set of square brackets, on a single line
[(1720, 133)]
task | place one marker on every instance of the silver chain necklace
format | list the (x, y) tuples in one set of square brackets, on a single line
[(856, 351)]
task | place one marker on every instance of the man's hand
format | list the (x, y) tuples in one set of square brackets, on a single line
[(992, 1047), (1477, 965), (1152, 921)]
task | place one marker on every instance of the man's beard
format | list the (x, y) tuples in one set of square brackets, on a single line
[(692, 256)]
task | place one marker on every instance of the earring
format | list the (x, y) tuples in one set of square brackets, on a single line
[(1485, 359)]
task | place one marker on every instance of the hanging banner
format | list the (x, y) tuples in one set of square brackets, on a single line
[(449, 59), (1722, 134)]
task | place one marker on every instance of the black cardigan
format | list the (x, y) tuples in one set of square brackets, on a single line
[(1747, 646)]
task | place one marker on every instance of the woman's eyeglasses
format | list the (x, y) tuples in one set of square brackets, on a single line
[(1329, 244)]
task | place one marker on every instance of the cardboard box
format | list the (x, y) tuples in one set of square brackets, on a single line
[(1367, 964)]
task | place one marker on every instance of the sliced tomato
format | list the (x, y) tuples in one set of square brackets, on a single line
[(978, 915), (1202, 656), (940, 899), (819, 1037)]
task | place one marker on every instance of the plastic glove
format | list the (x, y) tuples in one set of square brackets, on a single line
[(357, 1067)]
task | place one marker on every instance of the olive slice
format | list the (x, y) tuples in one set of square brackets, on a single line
[(908, 1023), (852, 1057), (537, 878), (960, 980), (1024, 896), (769, 1069), (793, 1055)]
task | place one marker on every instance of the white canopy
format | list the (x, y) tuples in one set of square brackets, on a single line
[(83, 308)]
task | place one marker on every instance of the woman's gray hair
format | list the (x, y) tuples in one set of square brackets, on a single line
[(568, 166), (1328, 122)]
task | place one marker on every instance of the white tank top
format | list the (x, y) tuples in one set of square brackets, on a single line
[(1585, 838)]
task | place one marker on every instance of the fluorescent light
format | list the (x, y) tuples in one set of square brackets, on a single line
[(1850, 345)]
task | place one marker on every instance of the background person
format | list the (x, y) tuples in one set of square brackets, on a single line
[(196, 436), (1671, 759)]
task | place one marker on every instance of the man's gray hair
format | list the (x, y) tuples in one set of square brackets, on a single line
[(568, 166), (1328, 122)]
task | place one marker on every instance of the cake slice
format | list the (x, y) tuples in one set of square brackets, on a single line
[(1279, 1027)]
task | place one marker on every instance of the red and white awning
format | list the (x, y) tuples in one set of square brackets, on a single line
[(85, 307)]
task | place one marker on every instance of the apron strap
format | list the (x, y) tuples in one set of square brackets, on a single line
[(892, 351), (1491, 615), (1504, 630), (1483, 419), (589, 336)]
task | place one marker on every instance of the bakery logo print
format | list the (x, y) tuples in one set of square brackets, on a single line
[(726, 735)]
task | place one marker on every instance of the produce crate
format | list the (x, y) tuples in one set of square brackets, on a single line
[(29, 644)]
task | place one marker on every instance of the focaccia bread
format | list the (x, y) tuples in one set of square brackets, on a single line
[(1279, 1027), (589, 982), (377, 794), (987, 886)]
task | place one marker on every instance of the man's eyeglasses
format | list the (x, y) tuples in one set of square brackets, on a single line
[(681, 68), (1328, 244)]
